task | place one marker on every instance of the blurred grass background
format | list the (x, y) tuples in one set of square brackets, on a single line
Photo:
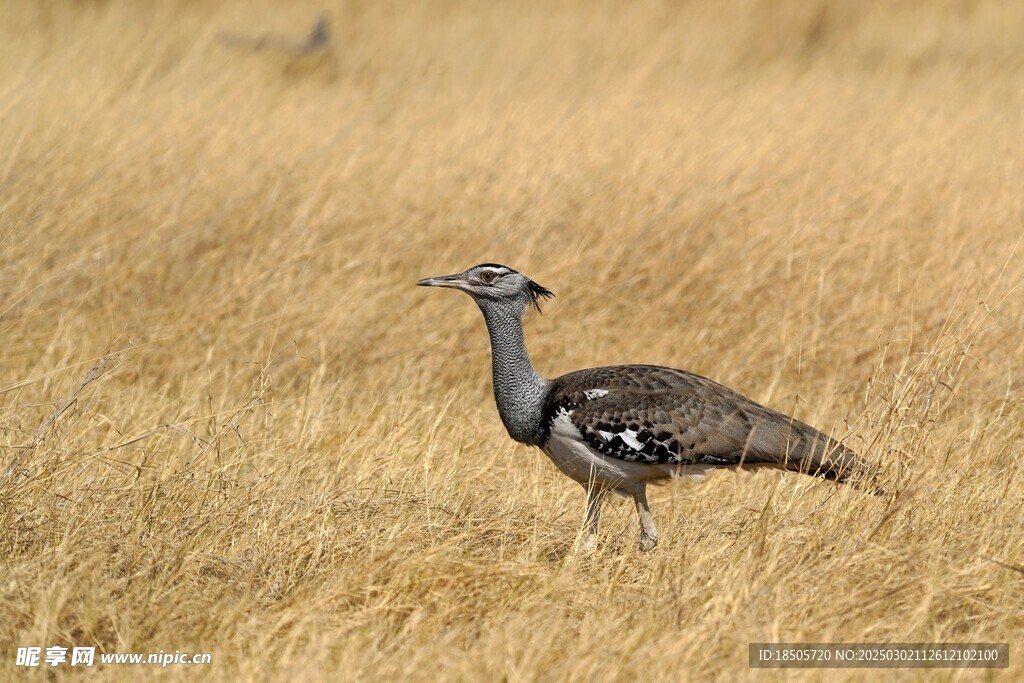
[(230, 424)]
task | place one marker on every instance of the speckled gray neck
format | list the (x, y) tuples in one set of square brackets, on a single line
[(518, 390)]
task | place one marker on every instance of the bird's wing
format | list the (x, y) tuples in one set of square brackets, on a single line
[(652, 414)]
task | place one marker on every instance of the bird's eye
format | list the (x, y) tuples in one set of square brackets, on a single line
[(487, 276)]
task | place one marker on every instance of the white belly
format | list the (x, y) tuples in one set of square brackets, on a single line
[(570, 453)]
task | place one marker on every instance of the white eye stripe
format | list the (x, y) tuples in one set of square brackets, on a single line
[(490, 275)]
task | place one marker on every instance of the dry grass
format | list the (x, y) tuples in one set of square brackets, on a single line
[(229, 422)]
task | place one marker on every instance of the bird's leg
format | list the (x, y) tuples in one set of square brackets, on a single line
[(648, 534), (595, 496)]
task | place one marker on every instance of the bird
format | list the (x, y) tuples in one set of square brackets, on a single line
[(615, 429), (316, 40)]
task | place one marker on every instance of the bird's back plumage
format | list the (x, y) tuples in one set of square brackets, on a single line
[(662, 416)]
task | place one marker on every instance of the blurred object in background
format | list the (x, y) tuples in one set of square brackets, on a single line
[(313, 53), (317, 40)]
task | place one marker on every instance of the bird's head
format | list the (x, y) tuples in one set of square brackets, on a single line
[(494, 287)]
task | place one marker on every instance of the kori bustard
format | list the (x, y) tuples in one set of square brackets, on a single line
[(614, 429)]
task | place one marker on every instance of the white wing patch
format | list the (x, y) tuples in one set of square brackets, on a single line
[(628, 437), (595, 393)]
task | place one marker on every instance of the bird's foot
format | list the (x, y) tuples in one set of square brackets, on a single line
[(587, 544), (647, 543)]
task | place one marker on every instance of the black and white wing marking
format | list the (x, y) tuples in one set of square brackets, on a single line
[(656, 415)]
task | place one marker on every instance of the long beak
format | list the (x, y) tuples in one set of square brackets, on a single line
[(452, 281)]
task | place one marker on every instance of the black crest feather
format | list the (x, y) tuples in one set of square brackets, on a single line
[(537, 293)]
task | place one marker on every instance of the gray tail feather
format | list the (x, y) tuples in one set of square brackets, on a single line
[(820, 455)]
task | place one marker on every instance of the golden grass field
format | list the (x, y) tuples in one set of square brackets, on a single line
[(229, 423)]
